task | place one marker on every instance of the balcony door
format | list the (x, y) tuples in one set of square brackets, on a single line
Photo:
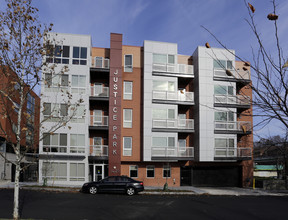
[(98, 89), (97, 119), (182, 120)]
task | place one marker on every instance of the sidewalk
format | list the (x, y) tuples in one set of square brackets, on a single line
[(151, 190)]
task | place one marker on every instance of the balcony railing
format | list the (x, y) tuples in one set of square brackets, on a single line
[(242, 126), (237, 74), (99, 150), (173, 123), (100, 62), (174, 68), (232, 99), (172, 152), (98, 121), (99, 91), (64, 149), (172, 96), (233, 152)]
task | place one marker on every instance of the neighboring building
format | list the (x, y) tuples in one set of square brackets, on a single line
[(150, 114), (8, 118)]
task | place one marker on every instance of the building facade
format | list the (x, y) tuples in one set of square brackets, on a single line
[(149, 113)]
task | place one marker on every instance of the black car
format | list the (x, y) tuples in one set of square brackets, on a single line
[(114, 184)]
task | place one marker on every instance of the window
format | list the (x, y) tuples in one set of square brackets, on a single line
[(30, 108), (224, 116), (79, 55), (54, 171), (16, 107), (77, 171), (17, 86), (225, 147), (150, 171), (55, 143), (56, 80), (166, 171), (78, 84), (61, 54), (163, 58), (127, 91), (163, 142), (223, 90), (77, 143), (163, 113), (222, 64), (127, 118), (55, 110), (128, 60), (164, 86), (133, 171), (127, 146)]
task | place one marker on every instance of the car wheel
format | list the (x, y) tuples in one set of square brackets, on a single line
[(93, 190), (130, 191)]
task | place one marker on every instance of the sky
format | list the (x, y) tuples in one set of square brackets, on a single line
[(176, 21)]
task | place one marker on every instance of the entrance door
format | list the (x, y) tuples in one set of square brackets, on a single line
[(99, 172), (186, 176)]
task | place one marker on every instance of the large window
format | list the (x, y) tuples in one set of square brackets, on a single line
[(56, 143), (163, 58), (61, 54), (78, 84), (224, 116), (127, 146), (77, 143), (77, 171), (79, 55), (166, 171), (163, 142), (225, 147), (127, 118), (133, 171), (54, 171), (164, 86), (59, 80), (128, 60), (127, 90), (223, 90), (223, 64), (150, 171), (55, 110), (163, 114)]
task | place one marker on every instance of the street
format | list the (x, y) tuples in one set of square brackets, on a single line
[(58, 205)]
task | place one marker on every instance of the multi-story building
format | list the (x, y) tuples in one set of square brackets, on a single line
[(151, 114), (9, 110)]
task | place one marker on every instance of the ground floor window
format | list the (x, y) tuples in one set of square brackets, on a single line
[(150, 171), (77, 171), (166, 171), (54, 171), (133, 171)]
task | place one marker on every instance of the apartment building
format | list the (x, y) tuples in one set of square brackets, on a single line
[(9, 110), (149, 113)]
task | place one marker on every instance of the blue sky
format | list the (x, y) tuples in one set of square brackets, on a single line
[(177, 21)]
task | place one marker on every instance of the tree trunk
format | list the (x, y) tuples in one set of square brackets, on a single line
[(16, 192)]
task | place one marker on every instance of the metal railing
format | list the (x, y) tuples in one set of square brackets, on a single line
[(101, 121), (237, 74), (64, 149), (173, 123), (99, 91), (172, 152), (173, 96), (173, 68), (243, 126), (233, 152), (232, 99), (101, 62), (99, 150)]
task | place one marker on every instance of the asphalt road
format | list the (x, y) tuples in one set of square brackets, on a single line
[(53, 205)]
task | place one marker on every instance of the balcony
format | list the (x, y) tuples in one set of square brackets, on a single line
[(98, 122), (232, 75), (232, 127), (167, 97), (236, 101), (165, 153), (233, 153), (181, 70), (56, 149), (99, 93), (99, 151), (100, 64), (173, 125)]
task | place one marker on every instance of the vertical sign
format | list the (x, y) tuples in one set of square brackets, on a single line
[(115, 85)]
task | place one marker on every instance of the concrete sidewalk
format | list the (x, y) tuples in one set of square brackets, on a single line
[(151, 190)]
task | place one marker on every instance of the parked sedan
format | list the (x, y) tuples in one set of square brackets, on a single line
[(114, 184)]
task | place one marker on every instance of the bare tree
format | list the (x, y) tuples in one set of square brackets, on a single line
[(21, 63)]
